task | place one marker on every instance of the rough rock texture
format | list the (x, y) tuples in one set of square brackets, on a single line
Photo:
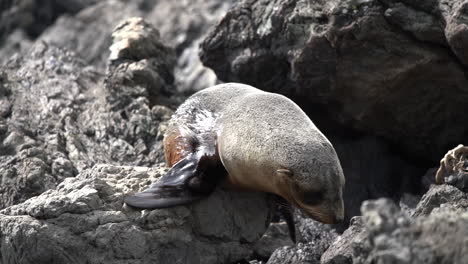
[(384, 234), (277, 235), (83, 221), (315, 238), (140, 65), (58, 117), (382, 67), (439, 195), (378, 67), (183, 24)]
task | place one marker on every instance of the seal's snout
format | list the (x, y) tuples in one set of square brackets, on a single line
[(332, 219), (338, 218), (327, 213)]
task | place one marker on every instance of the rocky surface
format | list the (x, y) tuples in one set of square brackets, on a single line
[(183, 24), (384, 234), (59, 117), (381, 67), (81, 127), (83, 221), (276, 236), (315, 238)]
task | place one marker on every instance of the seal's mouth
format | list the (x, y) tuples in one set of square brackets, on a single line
[(318, 212), (320, 216)]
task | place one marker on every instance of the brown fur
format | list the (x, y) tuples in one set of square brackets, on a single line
[(177, 147)]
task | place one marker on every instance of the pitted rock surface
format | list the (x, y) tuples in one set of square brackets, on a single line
[(84, 221), (385, 234), (59, 117)]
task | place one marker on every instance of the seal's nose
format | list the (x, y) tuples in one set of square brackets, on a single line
[(338, 218)]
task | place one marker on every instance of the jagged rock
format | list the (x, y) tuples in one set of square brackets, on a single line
[(140, 65), (277, 235), (341, 250), (301, 253), (83, 221), (439, 195), (40, 93), (454, 14), (361, 61), (58, 117), (384, 234), (314, 239)]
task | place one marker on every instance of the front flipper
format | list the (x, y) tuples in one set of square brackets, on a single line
[(286, 211), (190, 179)]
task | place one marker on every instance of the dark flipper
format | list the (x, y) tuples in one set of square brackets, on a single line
[(190, 179), (287, 213)]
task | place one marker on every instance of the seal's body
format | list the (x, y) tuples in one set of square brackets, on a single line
[(245, 138)]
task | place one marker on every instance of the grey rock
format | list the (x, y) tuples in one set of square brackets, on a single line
[(84, 221), (32, 129), (354, 61), (276, 236), (423, 26), (183, 24), (60, 117), (455, 14), (315, 238), (17, 41), (439, 195), (88, 33), (140, 65), (459, 180), (301, 253), (342, 248), (385, 234)]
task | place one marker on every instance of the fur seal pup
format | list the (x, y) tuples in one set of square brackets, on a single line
[(245, 138)]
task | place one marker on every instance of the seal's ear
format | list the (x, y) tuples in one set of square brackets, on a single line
[(284, 173)]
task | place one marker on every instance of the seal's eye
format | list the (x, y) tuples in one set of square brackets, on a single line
[(312, 197)]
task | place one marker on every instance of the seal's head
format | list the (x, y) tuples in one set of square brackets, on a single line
[(315, 183)]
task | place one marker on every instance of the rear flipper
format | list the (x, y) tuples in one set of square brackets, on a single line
[(190, 179)]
